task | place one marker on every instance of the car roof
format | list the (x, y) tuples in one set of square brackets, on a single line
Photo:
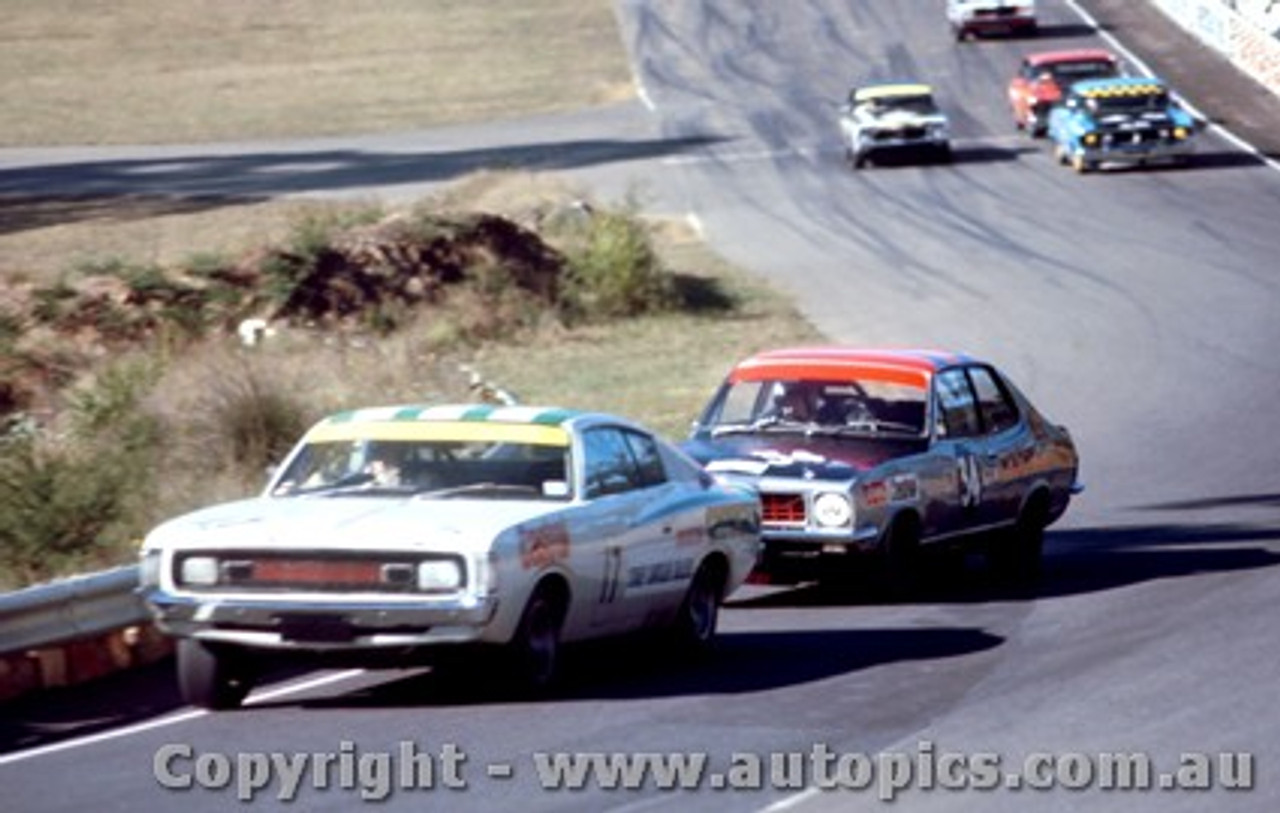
[(1119, 86), (1071, 55), (891, 90), (454, 413), (912, 367), (451, 422)]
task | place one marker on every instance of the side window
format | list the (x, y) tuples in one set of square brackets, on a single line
[(998, 409), (610, 469), (957, 407), (648, 459)]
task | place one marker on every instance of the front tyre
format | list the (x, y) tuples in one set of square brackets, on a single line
[(900, 557), (535, 650), (213, 677)]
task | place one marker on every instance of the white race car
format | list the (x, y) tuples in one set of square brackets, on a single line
[(392, 535), (970, 17), (893, 118)]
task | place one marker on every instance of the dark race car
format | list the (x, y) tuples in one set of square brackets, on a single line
[(884, 452)]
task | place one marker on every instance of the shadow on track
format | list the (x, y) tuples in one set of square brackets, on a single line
[(1077, 561), (1065, 31), (644, 667), (267, 174)]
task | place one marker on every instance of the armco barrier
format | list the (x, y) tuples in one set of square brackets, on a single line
[(69, 609), (74, 630)]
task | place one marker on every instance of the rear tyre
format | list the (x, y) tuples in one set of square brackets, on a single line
[(213, 677), (1016, 555), (695, 624)]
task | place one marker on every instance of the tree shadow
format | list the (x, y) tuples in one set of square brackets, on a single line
[(210, 178), (19, 213)]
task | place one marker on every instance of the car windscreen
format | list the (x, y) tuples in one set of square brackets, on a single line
[(919, 105), (830, 406), (480, 468), (1067, 72), (1129, 104)]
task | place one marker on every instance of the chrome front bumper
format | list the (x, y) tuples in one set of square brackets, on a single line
[(321, 625)]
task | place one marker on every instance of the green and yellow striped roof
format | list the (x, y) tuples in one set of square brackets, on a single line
[(452, 422)]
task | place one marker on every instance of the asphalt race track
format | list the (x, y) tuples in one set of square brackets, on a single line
[(1141, 307)]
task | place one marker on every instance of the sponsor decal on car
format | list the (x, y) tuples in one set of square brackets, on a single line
[(543, 545), (659, 573)]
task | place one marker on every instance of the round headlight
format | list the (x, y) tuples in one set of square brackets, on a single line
[(439, 575), (199, 570), (831, 510)]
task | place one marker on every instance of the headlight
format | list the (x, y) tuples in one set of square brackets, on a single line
[(1180, 133), (1090, 139), (832, 510), (439, 575), (199, 570)]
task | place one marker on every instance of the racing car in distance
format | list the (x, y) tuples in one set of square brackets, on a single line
[(863, 455), (416, 534), (897, 118), (1125, 120), (970, 17), (1042, 77)]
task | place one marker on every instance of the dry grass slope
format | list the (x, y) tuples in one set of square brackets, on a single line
[(166, 71)]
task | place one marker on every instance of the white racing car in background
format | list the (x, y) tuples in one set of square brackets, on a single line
[(392, 535), (902, 118)]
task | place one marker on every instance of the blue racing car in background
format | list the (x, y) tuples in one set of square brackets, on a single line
[(1130, 120)]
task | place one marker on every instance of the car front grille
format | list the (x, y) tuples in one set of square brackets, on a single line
[(782, 509), (256, 571), (901, 134), (1121, 138)]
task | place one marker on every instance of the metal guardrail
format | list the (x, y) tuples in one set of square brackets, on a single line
[(78, 607)]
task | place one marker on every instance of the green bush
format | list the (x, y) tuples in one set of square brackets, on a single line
[(67, 499), (614, 271), (253, 422), (55, 508)]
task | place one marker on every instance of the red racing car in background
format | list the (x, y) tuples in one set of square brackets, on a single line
[(1043, 78)]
